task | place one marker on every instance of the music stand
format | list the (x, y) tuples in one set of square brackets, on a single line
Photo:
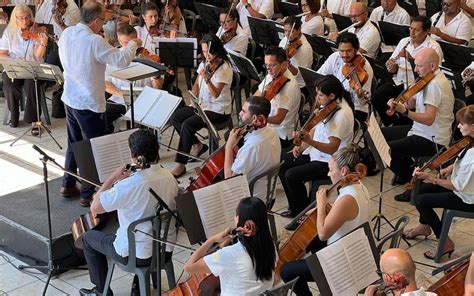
[(244, 66), (392, 33), (456, 57), (311, 79), (321, 45), (288, 8), (410, 6), (209, 15), (380, 71), (341, 21), (266, 32), (212, 129)]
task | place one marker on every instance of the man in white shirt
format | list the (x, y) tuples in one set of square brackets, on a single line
[(46, 14), (257, 8), (340, 7), (451, 24), (84, 84)]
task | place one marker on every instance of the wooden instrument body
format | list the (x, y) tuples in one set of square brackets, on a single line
[(274, 87), (452, 283), (355, 73), (313, 120), (107, 222)]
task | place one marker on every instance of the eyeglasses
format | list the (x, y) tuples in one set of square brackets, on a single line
[(269, 67), (447, 4), (23, 18), (356, 15)]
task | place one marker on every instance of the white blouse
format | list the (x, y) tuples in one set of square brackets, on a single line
[(463, 177)]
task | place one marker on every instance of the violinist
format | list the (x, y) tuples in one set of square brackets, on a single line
[(262, 9), (60, 13), (145, 32), (400, 65), (231, 33), (261, 149), (212, 87), (456, 192), (127, 193), (285, 102), (18, 43), (432, 120), (172, 17), (309, 161), (247, 266), (312, 23), (348, 46), (350, 210)]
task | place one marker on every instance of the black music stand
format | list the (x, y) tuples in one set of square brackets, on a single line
[(410, 6), (321, 45), (266, 32), (381, 73), (456, 57), (244, 66), (209, 15), (341, 21), (311, 79), (288, 8), (393, 33)]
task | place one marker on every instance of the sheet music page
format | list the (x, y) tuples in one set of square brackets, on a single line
[(348, 264), (132, 71), (109, 152), (232, 191), (211, 208), (379, 140), (143, 103), (161, 110)]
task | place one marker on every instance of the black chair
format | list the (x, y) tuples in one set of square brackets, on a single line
[(395, 236), (281, 290)]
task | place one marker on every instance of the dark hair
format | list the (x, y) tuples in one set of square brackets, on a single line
[(347, 37), (424, 20), (260, 247), (331, 85), (215, 46), (143, 143), (90, 11), (126, 29), (465, 115), (259, 106), (147, 7), (278, 52), (233, 14), (314, 5), (293, 20)]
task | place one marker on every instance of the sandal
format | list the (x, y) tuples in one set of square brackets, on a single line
[(411, 234), (431, 254)]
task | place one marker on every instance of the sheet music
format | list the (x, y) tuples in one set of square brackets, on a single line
[(144, 103), (379, 140), (231, 188), (348, 264), (161, 110), (132, 71)]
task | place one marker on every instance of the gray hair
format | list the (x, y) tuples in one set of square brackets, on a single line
[(90, 11), (347, 156)]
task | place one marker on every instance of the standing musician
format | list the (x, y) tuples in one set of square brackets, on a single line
[(348, 47), (328, 7), (127, 193), (313, 22), (350, 210), (261, 149), (246, 267), (60, 13), (17, 43), (456, 193), (451, 24), (231, 33), (309, 161), (84, 84), (285, 102), (172, 18), (212, 87), (432, 119), (262, 9), (400, 65), (147, 31)]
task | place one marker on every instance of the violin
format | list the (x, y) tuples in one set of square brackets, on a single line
[(272, 89), (211, 67), (228, 35), (419, 85), (293, 48), (33, 32), (113, 12), (297, 245), (316, 117), (355, 73)]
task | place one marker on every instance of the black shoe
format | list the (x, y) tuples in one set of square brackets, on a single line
[(201, 152), (85, 202), (397, 180), (180, 174), (288, 214), (92, 292), (405, 196)]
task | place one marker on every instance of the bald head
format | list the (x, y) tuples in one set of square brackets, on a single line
[(358, 7), (398, 260), (426, 61), (358, 14)]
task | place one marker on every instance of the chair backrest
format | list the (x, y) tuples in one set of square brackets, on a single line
[(251, 49), (281, 290), (189, 15), (272, 176), (357, 127), (236, 97), (298, 124), (396, 235)]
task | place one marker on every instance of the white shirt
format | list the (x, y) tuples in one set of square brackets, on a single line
[(302, 58), (341, 126), (131, 199), (463, 177), (260, 152), (459, 27), (419, 292), (233, 266), (71, 17), (148, 41), (369, 38), (16, 2), (315, 25), (223, 103), (470, 3), (397, 16), (333, 65), (341, 7), (287, 98), (17, 47), (362, 197), (264, 7), (437, 93), (238, 43), (400, 76)]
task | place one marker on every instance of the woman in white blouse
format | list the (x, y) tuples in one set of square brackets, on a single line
[(456, 193), (150, 17), (312, 23)]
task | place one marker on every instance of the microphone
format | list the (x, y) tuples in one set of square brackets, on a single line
[(46, 156)]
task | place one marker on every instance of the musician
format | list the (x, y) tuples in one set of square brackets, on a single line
[(127, 193), (246, 267), (456, 193), (432, 120), (400, 64), (261, 149), (350, 210), (14, 46), (469, 281), (173, 17), (348, 48), (285, 103), (340, 7), (295, 43), (84, 84), (309, 161), (467, 75), (49, 12), (212, 87), (231, 33), (398, 274), (262, 9), (312, 23), (150, 18), (451, 24)]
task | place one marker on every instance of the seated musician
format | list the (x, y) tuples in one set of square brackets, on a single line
[(285, 103), (48, 13), (451, 24), (312, 23), (231, 33), (398, 274), (149, 29), (127, 193), (172, 18), (261, 149), (350, 210), (340, 7), (262, 9), (400, 65), (212, 87), (247, 266), (14, 46), (348, 46), (309, 161), (432, 120), (455, 193)]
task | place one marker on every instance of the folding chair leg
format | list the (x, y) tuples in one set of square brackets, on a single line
[(447, 219), (169, 268), (144, 283), (108, 279), (273, 231)]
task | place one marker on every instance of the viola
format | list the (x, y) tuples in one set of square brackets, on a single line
[(33, 32), (272, 89), (228, 35), (452, 283), (419, 85), (355, 73), (293, 48), (211, 67), (297, 245)]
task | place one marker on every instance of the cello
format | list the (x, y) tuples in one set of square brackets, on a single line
[(452, 283)]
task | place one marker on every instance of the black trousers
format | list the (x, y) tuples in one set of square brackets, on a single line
[(294, 173), (380, 98), (432, 197), (403, 148), (12, 90), (112, 112), (187, 123)]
